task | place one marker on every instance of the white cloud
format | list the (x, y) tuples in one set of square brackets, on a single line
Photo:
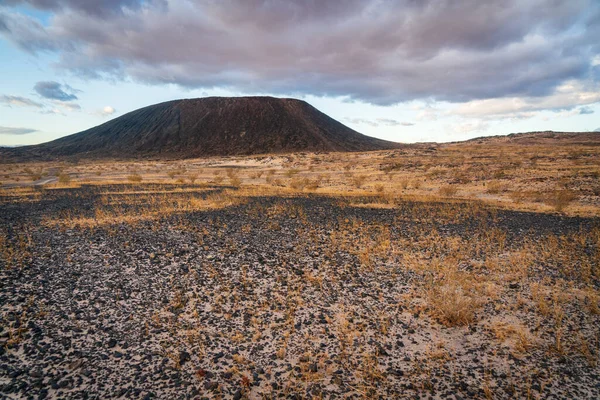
[(106, 111), (427, 112), (467, 127), (378, 122), (566, 97)]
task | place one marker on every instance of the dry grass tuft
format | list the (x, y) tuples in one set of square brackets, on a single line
[(448, 191), (560, 199), (452, 305)]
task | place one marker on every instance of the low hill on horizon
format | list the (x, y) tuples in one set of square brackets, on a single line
[(538, 138)]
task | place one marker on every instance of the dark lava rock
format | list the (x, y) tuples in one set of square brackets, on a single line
[(184, 357)]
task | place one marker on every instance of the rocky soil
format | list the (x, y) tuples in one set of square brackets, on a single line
[(273, 298)]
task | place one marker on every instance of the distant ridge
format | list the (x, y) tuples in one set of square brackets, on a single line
[(540, 137), (211, 126)]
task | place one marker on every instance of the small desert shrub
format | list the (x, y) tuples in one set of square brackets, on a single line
[(235, 181), (404, 184), (436, 172), (64, 178), (462, 178), (134, 177), (218, 179), (536, 196), (358, 181), (298, 184), (231, 173), (416, 184), (389, 168), (379, 188), (495, 188), (560, 199), (192, 178), (499, 174), (314, 184), (291, 172), (448, 191)]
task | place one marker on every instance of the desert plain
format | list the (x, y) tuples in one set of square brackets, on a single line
[(462, 270)]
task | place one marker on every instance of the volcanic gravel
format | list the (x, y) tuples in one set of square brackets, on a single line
[(199, 305)]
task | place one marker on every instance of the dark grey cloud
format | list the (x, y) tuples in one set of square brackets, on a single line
[(3, 25), (8, 100), (54, 91), (27, 33), (586, 110), (5, 130), (383, 52)]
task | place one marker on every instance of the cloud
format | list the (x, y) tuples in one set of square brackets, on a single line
[(597, 130), (53, 90), (106, 111), (100, 8), (19, 101), (68, 106), (586, 110), (377, 122), (393, 122), (381, 52), (427, 112), (468, 127), (566, 97), (52, 107), (27, 33), (362, 121), (60, 107), (5, 130)]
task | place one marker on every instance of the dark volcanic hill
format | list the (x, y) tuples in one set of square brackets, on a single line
[(208, 127)]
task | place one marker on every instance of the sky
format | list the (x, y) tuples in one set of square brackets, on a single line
[(401, 70)]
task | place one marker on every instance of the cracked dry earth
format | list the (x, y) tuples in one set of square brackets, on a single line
[(294, 298)]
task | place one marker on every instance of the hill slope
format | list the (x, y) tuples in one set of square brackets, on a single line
[(206, 127)]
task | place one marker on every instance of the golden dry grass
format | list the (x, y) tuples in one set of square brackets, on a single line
[(541, 178)]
